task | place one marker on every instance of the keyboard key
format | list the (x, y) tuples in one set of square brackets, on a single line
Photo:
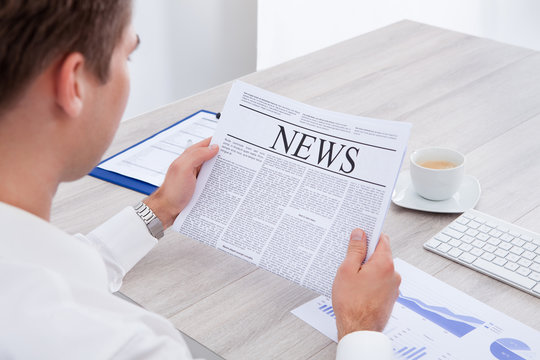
[(511, 266), (478, 243), (505, 273), (537, 259), (485, 229), (514, 233), (495, 233), (455, 252), (467, 238), (517, 242), (465, 247), (524, 262), (488, 256), (454, 243), (523, 271), (479, 219), (467, 216), (468, 258), (473, 225), (512, 257), (526, 237), (458, 227), (476, 251), (529, 255), (504, 229), (462, 220), (506, 237), (494, 241), (501, 252), (489, 248), (517, 250), (500, 261), (433, 243), (453, 233), (536, 289), (536, 241), (535, 267), (444, 248), (530, 246), (483, 237), (535, 276), (472, 232), (442, 237), (505, 246)]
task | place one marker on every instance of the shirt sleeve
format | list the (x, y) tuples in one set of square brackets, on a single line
[(364, 345), (122, 241)]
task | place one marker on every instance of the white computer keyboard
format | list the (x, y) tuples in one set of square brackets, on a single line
[(493, 247)]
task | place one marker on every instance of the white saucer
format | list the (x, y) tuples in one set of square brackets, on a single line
[(464, 199)]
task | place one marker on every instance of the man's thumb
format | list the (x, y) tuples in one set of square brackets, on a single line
[(356, 253)]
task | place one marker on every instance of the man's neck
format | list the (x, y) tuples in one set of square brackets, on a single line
[(27, 179), (26, 189)]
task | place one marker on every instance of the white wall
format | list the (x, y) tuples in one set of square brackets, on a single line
[(191, 45), (188, 46), (291, 28)]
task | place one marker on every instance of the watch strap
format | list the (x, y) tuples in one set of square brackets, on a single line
[(152, 222)]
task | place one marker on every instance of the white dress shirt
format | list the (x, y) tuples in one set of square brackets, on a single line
[(56, 300)]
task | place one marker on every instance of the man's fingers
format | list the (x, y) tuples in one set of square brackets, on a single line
[(356, 253), (382, 251), (202, 154), (193, 158), (202, 143)]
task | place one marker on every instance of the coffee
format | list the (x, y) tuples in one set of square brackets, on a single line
[(438, 164)]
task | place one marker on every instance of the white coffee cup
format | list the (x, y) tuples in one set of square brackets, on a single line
[(430, 178)]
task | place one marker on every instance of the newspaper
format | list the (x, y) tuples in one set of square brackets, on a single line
[(291, 182)]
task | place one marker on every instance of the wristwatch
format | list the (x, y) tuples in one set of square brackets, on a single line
[(152, 222)]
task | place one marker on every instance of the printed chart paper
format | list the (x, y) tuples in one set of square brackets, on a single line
[(291, 182), (432, 320)]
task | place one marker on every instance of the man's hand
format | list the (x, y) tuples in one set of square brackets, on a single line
[(179, 185), (363, 295)]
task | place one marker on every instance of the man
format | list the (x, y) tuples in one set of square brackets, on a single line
[(63, 87)]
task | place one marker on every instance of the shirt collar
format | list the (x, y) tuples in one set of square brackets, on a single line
[(26, 238)]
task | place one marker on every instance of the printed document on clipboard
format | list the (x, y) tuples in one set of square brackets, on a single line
[(142, 167)]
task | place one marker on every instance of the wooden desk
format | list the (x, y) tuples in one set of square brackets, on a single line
[(471, 94)]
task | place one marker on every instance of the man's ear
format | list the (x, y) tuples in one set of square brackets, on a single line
[(70, 84)]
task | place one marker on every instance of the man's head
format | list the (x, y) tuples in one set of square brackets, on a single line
[(64, 80), (35, 33)]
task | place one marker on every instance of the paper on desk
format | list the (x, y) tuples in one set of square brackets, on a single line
[(291, 182), (150, 160), (432, 320)]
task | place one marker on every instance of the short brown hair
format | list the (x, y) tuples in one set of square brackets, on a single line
[(35, 33)]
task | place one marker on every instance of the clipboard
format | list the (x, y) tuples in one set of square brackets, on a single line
[(131, 182)]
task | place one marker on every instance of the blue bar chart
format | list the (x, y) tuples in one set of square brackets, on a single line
[(411, 353), (328, 310)]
